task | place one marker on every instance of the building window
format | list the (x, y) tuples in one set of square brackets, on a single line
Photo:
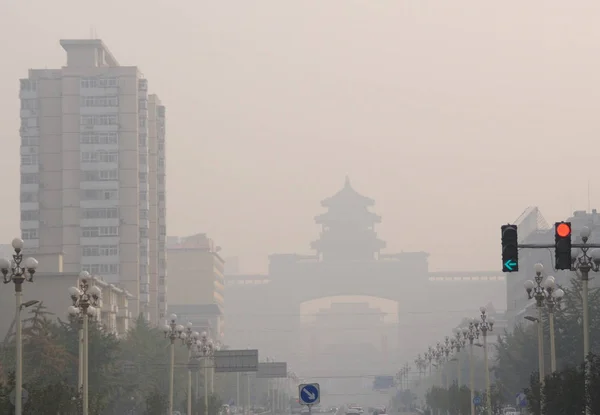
[(99, 138), (29, 197), (143, 250), (29, 159), (143, 177), (30, 141), (99, 82), (30, 178), (143, 122), (161, 162), (143, 196), (143, 140), (99, 175), (161, 179), (162, 230), (143, 158), (143, 269), (100, 156), (161, 196), (162, 212), (104, 119), (143, 84), (29, 104), (30, 215), (100, 213), (143, 233), (98, 231), (100, 101), (99, 194), (100, 269), (100, 250), (29, 234), (143, 213), (28, 85), (143, 104)]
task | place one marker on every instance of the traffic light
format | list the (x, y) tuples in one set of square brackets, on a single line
[(510, 248), (562, 245)]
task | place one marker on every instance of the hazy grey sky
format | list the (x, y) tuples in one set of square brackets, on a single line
[(452, 115)]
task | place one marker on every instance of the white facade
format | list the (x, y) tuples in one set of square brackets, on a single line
[(85, 176)]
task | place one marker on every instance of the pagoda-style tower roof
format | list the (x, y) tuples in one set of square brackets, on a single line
[(348, 227), (347, 196)]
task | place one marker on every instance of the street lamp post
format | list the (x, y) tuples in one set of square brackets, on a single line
[(421, 364), (486, 325), (535, 290), (458, 342), (173, 331), (18, 271), (583, 263), (85, 299), (544, 293), (471, 333), (190, 341), (206, 350)]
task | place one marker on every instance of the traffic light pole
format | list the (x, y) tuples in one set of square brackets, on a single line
[(543, 246)]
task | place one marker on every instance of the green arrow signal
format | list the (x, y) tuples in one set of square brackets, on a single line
[(510, 264)]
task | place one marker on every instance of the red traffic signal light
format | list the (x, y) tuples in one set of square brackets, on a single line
[(563, 229)]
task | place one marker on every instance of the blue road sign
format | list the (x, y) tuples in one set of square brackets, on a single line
[(477, 400), (521, 400), (510, 264), (309, 394)]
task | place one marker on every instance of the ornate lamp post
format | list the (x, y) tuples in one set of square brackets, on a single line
[(583, 263), (471, 333), (421, 364), (545, 293), (85, 299), (18, 271), (206, 350), (486, 325), (190, 341), (173, 331), (458, 343), (553, 302), (429, 357)]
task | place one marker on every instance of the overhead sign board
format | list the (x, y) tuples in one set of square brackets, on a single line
[(271, 370), (236, 361)]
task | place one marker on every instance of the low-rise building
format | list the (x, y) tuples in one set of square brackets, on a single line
[(197, 281)]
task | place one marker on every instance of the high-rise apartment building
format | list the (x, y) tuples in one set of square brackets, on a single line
[(93, 172)]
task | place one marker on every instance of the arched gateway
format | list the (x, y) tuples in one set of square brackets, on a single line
[(263, 310)]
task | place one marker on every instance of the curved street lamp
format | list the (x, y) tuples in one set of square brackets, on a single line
[(18, 271), (85, 299)]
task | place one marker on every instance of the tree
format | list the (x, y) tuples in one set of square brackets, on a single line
[(157, 403), (564, 392)]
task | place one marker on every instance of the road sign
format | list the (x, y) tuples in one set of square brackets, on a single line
[(309, 394), (236, 361), (270, 370), (13, 396), (477, 400), (521, 400)]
